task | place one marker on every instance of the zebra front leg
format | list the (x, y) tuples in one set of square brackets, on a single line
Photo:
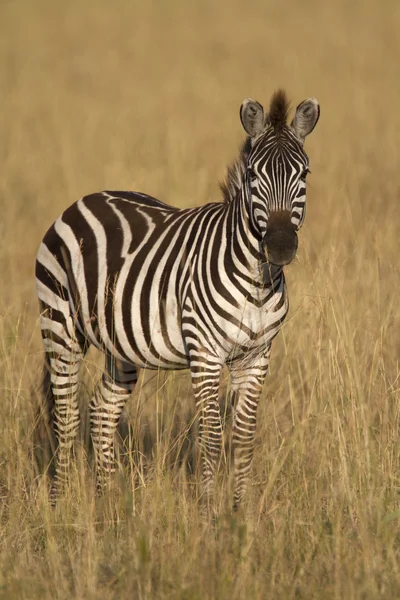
[(106, 406), (246, 387), (205, 382)]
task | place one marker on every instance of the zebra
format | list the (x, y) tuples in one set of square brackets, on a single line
[(154, 286)]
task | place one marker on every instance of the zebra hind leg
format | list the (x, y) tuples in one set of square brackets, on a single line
[(64, 353), (106, 406)]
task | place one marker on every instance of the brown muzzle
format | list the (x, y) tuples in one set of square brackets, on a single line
[(280, 242)]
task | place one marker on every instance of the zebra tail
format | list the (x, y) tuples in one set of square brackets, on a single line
[(44, 439), (48, 401)]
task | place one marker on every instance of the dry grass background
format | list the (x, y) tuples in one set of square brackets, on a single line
[(145, 95)]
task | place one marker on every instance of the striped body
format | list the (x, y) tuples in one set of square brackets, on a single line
[(146, 279), (154, 286)]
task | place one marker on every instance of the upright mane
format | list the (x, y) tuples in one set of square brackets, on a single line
[(234, 174), (278, 111), (277, 119)]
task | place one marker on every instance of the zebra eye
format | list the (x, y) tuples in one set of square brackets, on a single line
[(304, 174), (252, 173)]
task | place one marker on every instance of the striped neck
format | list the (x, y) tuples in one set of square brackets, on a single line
[(247, 243)]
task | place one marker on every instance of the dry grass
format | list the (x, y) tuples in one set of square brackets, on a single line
[(145, 95)]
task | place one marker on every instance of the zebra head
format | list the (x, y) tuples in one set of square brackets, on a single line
[(277, 168)]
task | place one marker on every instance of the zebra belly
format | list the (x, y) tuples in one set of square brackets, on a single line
[(136, 334), (157, 338), (146, 357)]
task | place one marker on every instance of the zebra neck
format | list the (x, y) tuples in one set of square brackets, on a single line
[(246, 243)]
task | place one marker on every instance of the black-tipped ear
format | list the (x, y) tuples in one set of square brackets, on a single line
[(306, 118), (252, 117)]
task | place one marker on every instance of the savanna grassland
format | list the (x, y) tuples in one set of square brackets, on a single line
[(145, 95)]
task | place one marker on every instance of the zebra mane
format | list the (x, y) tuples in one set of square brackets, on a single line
[(278, 111), (234, 174)]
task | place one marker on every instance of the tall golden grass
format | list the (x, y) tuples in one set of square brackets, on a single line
[(145, 95)]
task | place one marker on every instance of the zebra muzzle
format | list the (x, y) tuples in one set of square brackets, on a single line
[(280, 242)]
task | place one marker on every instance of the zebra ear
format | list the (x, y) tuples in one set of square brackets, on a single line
[(306, 118), (252, 117)]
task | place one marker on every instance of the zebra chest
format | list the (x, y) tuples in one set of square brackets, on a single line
[(251, 328)]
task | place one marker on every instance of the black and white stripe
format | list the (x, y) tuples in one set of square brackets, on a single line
[(155, 286)]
